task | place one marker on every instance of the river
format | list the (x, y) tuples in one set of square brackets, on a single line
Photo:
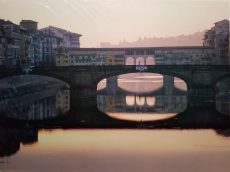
[(121, 150), (138, 131)]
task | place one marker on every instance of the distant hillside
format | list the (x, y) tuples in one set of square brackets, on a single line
[(181, 40)]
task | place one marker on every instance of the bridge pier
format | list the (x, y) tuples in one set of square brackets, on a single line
[(168, 84), (112, 85), (199, 97), (83, 98)]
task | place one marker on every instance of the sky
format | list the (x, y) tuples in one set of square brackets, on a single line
[(117, 20)]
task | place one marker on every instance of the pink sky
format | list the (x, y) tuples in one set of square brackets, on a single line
[(115, 20)]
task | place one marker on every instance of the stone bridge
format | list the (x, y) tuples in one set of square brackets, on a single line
[(201, 79)]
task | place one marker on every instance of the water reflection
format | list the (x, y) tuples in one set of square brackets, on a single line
[(119, 150), (34, 102), (223, 104), (11, 139), (223, 96), (134, 100), (141, 108)]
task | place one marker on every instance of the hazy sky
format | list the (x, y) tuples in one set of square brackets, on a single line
[(114, 20)]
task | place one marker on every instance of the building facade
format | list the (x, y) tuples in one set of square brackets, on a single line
[(70, 39), (218, 38), (201, 56), (10, 43), (112, 56), (24, 45), (77, 57)]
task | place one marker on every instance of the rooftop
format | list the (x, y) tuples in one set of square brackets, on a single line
[(28, 21)]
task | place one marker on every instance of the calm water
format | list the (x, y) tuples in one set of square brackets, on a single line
[(97, 150), (31, 148)]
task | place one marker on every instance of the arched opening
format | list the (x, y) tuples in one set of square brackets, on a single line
[(101, 85), (180, 84), (130, 61), (140, 61), (140, 82), (34, 97), (223, 96), (150, 60), (144, 93)]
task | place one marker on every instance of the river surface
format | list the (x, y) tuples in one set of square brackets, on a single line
[(140, 128), (122, 150)]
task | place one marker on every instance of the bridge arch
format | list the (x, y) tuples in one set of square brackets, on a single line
[(174, 74), (221, 78), (23, 79)]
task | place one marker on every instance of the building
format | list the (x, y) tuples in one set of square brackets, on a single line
[(2, 47), (218, 38), (70, 39), (113, 56), (50, 44), (57, 38), (34, 41), (24, 45), (62, 57), (76, 57), (10, 43), (201, 56), (30, 25)]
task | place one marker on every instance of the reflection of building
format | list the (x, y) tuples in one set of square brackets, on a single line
[(52, 106), (223, 104), (169, 104), (42, 109), (10, 140), (110, 103), (44, 104), (63, 101)]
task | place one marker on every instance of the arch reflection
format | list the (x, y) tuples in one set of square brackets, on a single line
[(223, 96), (138, 100), (150, 101), (141, 117), (141, 108), (130, 100)]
